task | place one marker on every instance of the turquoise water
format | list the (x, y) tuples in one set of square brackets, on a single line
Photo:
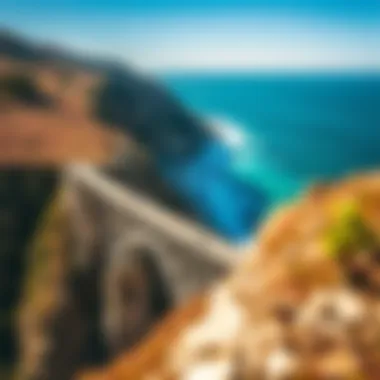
[(292, 130)]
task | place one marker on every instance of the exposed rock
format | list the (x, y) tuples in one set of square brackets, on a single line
[(23, 195), (54, 331), (335, 328), (182, 147)]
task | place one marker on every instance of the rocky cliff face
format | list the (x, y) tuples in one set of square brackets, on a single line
[(58, 308), (86, 104), (50, 117), (72, 281), (23, 195), (304, 304), (185, 155), (188, 158)]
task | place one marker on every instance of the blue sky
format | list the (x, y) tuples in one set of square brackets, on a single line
[(168, 35)]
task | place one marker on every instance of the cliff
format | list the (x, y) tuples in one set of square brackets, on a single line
[(54, 337), (93, 104), (302, 305), (23, 195), (57, 108), (48, 119), (45, 113)]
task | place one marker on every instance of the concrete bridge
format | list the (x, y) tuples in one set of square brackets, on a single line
[(125, 257), (151, 258)]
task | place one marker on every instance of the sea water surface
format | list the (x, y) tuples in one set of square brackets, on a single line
[(287, 131)]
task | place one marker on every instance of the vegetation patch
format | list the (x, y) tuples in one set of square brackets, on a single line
[(22, 88)]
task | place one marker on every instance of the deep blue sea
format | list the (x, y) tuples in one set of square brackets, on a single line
[(294, 129), (288, 131)]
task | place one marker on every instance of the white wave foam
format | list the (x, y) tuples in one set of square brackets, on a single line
[(228, 131)]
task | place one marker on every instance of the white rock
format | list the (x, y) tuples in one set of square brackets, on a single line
[(214, 370), (281, 364)]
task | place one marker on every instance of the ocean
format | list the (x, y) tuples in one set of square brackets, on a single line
[(288, 131)]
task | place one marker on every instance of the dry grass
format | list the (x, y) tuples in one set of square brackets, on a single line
[(300, 312), (150, 355), (48, 137), (62, 133)]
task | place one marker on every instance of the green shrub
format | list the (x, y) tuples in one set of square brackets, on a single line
[(348, 233), (22, 87)]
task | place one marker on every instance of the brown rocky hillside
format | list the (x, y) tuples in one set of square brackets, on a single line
[(46, 122), (57, 108), (46, 116), (304, 304)]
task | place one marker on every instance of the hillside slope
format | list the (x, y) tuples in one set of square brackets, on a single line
[(46, 117), (303, 305)]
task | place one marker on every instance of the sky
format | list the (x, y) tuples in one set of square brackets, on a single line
[(187, 35)]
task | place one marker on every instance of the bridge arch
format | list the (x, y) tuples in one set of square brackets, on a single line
[(135, 288)]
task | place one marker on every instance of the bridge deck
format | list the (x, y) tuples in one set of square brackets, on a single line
[(124, 200)]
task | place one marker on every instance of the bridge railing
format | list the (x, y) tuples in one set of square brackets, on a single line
[(160, 256), (124, 201)]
